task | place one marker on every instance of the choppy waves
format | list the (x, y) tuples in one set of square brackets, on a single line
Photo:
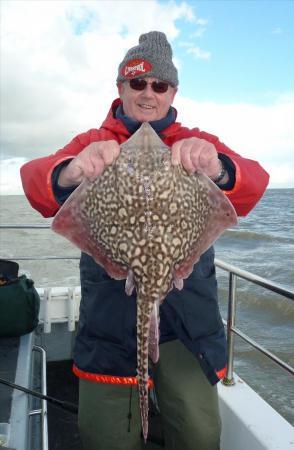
[(247, 235)]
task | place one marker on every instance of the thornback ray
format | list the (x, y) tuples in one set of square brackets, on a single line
[(147, 221)]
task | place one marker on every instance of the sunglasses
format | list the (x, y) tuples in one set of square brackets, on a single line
[(139, 84)]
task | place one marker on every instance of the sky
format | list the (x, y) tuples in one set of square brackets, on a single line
[(59, 60)]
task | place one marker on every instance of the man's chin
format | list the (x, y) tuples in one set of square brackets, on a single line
[(146, 117)]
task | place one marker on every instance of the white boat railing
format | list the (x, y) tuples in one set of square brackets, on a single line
[(234, 274), (43, 412), (72, 295)]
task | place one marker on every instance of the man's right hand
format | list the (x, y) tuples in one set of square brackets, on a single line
[(90, 163)]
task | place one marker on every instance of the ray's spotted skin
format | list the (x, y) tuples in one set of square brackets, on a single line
[(147, 221)]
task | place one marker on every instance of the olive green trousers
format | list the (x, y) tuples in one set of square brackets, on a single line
[(187, 402)]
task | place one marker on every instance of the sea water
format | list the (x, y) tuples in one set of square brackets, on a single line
[(262, 243)]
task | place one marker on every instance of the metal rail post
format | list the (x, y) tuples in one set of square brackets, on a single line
[(228, 379)]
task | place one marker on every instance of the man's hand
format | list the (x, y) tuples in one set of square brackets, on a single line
[(197, 155), (90, 163)]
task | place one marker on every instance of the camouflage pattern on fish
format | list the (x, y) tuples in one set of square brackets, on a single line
[(147, 221)]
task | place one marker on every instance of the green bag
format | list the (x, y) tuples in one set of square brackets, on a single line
[(19, 307)]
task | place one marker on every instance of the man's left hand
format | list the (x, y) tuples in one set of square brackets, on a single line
[(196, 155)]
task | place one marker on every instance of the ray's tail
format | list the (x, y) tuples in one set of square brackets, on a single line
[(144, 311)]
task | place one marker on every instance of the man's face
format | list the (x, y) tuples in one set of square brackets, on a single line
[(145, 105)]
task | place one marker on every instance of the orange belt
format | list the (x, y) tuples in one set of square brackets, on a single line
[(221, 373), (109, 379)]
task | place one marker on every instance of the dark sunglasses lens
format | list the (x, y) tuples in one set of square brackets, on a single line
[(159, 86), (138, 84)]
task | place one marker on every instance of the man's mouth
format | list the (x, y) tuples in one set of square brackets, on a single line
[(145, 106)]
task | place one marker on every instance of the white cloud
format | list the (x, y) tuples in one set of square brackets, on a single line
[(58, 69), (198, 53), (198, 33), (282, 174), (10, 182), (263, 133), (201, 22), (59, 65)]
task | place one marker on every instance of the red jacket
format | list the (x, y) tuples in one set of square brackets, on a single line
[(251, 178)]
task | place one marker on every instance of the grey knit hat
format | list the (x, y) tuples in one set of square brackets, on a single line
[(151, 58)]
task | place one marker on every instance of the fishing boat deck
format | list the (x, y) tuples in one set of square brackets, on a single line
[(20, 363), (62, 425), (8, 361), (15, 364)]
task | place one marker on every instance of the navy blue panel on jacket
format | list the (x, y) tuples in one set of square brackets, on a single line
[(106, 338)]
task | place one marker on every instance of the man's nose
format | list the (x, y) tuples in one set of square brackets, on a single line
[(148, 89)]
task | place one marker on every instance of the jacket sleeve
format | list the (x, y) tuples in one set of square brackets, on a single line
[(251, 178), (36, 175)]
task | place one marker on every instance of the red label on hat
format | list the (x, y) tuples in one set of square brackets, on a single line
[(136, 67)]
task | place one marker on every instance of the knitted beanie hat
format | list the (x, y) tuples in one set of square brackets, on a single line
[(151, 58)]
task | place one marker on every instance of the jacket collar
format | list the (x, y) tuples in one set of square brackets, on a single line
[(117, 126)]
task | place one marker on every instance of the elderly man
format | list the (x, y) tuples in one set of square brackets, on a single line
[(192, 338)]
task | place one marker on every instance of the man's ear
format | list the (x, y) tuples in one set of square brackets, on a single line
[(120, 88), (175, 92)]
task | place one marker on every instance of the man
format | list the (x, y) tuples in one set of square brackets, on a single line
[(192, 342)]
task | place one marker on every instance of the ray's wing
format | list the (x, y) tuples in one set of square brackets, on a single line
[(211, 214), (88, 218)]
